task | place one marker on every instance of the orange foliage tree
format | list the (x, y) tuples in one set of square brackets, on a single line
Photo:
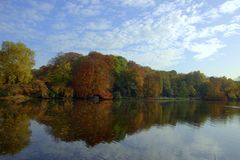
[(92, 76)]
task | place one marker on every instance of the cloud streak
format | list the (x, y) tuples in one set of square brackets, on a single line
[(230, 6), (207, 48), (138, 3)]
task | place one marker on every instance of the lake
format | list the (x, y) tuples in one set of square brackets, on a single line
[(128, 129)]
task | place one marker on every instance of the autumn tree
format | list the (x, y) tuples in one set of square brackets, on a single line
[(92, 76), (195, 81), (215, 89), (151, 87), (60, 71), (104, 76), (16, 62), (134, 80), (230, 88), (41, 73)]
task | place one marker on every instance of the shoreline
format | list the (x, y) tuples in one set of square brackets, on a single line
[(24, 98)]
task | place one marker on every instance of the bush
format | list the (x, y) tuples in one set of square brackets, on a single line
[(59, 91), (117, 95), (68, 92), (36, 89), (3, 93)]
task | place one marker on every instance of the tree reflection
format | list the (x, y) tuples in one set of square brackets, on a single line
[(85, 120), (101, 122), (14, 132), (109, 121)]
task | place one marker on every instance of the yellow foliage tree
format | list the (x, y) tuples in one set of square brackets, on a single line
[(16, 62)]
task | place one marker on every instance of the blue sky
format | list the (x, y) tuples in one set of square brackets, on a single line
[(181, 35)]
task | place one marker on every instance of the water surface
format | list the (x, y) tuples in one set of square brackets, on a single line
[(183, 130)]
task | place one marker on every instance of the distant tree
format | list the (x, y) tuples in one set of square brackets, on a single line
[(151, 87), (238, 79), (134, 80), (167, 90), (105, 76), (202, 90), (192, 91), (230, 88), (16, 62), (194, 81), (42, 73), (120, 66), (215, 89), (183, 90)]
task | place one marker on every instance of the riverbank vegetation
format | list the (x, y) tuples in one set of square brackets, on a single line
[(73, 75)]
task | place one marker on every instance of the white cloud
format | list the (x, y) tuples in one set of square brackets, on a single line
[(99, 25), (59, 26), (32, 15), (206, 49), (236, 19), (24, 32), (212, 13), (42, 6), (157, 59), (211, 31), (229, 6), (137, 3), (21, 22), (226, 29), (87, 7), (64, 41), (37, 12)]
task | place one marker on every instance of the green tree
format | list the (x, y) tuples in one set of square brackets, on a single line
[(167, 90), (183, 90), (192, 91), (16, 62), (61, 68), (195, 81), (120, 66), (230, 88), (134, 80)]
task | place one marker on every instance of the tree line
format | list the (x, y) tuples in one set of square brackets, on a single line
[(106, 76)]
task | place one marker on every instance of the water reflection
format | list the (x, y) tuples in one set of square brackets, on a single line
[(14, 133), (107, 121)]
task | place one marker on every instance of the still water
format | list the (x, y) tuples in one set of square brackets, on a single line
[(141, 130)]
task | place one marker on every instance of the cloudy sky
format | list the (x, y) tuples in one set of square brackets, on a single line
[(181, 35)]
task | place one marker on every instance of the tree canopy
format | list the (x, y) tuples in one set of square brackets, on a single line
[(106, 76), (92, 76), (16, 62)]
